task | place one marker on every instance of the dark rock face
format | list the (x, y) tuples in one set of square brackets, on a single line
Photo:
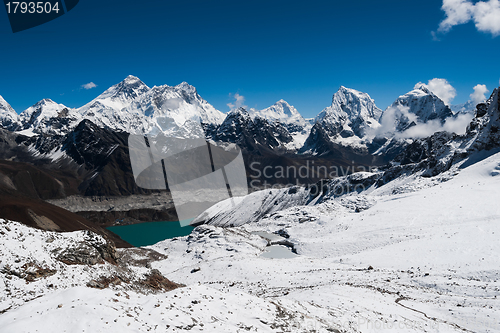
[(99, 156), (424, 148), (319, 142), (484, 130), (481, 110), (251, 135), (12, 146)]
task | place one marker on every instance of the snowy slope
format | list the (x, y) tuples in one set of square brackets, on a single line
[(9, 119), (418, 254), (195, 309), (43, 289), (36, 262), (242, 210)]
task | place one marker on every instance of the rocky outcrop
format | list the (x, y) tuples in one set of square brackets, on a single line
[(92, 250)]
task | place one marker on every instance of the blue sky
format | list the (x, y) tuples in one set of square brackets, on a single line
[(264, 50)]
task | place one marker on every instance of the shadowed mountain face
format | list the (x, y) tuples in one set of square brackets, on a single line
[(99, 158), (42, 215), (24, 187)]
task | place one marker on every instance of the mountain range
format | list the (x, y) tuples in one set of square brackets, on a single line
[(83, 151), (352, 121)]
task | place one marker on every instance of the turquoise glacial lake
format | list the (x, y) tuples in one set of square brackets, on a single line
[(149, 233)]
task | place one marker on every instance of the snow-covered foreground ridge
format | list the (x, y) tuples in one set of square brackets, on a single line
[(419, 254), (76, 282)]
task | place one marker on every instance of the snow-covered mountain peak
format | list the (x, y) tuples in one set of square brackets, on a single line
[(9, 119), (238, 112), (123, 92), (131, 79), (45, 105), (284, 108), (109, 108), (238, 116), (129, 106), (5, 107), (280, 111), (417, 106), (186, 87), (236, 121), (47, 116), (288, 116), (350, 104), (467, 107), (348, 122), (422, 87), (45, 101), (352, 112)]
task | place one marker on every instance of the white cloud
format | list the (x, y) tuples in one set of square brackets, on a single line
[(457, 12), (421, 130), (239, 101), (456, 125), (393, 114), (485, 14), (479, 94), (442, 88), (89, 85), (390, 119)]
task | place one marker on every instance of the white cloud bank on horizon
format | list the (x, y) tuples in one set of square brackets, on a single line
[(484, 14), (239, 101), (442, 88), (89, 85)]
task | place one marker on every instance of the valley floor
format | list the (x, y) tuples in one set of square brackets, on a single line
[(416, 255)]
